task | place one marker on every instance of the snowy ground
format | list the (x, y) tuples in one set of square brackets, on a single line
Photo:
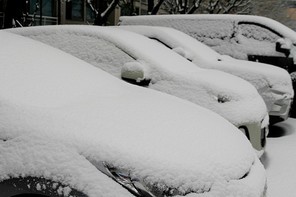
[(280, 159)]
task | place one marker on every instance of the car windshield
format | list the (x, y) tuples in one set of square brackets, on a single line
[(94, 50)]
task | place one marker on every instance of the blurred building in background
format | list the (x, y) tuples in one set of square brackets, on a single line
[(49, 12)]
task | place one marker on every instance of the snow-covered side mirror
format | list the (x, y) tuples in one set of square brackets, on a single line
[(184, 53), (135, 73), (284, 45)]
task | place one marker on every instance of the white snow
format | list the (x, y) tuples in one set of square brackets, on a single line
[(135, 68), (61, 117), (264, 77), (39, 156), (38, 187), (234, 35), (200, 86), (285, 43), (280, 159)]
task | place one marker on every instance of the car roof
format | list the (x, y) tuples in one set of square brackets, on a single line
[(175, 39), (53, 95), (267, 22)]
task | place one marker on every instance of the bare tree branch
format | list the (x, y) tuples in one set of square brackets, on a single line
[(194, 7), (232, 4), (109, 9), (156, 8), (102, 16), (179, 3), (207, 6), (212, 6)]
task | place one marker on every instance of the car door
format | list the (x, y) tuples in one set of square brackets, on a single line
[(260, 43)]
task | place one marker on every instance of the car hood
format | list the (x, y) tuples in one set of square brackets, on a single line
[(273, 83), (169, 72), (159, 139)]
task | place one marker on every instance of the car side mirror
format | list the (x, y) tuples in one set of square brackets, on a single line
[(184, 53), (135, 73), (284, 45)]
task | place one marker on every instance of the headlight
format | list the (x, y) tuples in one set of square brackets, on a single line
[(123, 178), (264, 132), (136, 186), (256, 134), (276, 108), (281, 107), (245, 131)]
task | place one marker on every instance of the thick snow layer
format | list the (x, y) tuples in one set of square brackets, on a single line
[(240, 102), (70, 109), (272, 83), (38, 156), (234, 35), (280, 159)]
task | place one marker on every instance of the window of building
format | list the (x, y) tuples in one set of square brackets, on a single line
[(75, 10)]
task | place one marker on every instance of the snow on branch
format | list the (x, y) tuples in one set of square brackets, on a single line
[(206, 6)]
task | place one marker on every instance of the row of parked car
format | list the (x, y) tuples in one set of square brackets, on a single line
[(242, 37), (83, 112)]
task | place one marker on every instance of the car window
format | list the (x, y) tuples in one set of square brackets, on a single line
[(160, 42), (92, 49), (179, 50), (210, 32), (258, 32)]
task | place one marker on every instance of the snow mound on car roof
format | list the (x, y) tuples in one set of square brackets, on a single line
[(216, 30), (201, 86), (158, 138)]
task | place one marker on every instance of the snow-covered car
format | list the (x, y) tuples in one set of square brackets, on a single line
[(141, 61), (273, 83), (65, 125), (243, 37)]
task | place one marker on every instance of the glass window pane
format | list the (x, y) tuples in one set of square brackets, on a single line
[(74, 10)]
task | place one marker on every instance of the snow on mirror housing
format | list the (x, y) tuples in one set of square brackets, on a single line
[(184, 53), (135, 73), (284, 45)]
